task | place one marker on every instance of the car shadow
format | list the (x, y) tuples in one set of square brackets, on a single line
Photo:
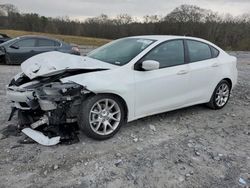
[(170, 114)]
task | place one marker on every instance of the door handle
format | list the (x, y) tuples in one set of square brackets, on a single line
[(182, 72), (215, 65)]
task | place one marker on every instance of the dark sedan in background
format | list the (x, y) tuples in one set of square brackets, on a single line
[(17, 50)]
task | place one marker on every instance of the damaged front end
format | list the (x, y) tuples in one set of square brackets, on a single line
[(48, 106)]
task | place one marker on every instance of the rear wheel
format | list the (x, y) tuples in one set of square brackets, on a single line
[(101, 116), (220, 96)]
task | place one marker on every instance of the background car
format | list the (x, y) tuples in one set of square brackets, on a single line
[(4, 38), (19, 49)]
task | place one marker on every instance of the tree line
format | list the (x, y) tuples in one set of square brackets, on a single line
[(227, 31)]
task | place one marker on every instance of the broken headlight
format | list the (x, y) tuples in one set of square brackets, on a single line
[(58, 91)]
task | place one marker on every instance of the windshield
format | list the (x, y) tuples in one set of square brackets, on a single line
[(120, 52), (10, 41)]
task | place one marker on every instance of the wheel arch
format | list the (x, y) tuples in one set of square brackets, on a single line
[(211, 102), (226, 79), (229, 81)]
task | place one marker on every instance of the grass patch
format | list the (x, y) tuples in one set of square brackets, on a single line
[(67, 38)]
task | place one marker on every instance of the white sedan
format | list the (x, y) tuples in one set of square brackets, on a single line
[(122, 81)]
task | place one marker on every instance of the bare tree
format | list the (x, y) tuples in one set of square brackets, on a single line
[(6, 9), (187, 13), (151, 19), (123, 19), (227, 31)]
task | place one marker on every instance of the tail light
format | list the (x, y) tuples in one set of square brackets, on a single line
[(75, 48)]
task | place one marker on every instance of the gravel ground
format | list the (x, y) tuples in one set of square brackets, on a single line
[(192, 147)]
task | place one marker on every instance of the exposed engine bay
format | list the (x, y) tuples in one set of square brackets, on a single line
[(48, 106), (48, 93), (45, 104)]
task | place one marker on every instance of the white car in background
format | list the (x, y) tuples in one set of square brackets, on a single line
[(122, 81)]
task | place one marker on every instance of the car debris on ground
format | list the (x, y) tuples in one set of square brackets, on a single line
[(48, 137)]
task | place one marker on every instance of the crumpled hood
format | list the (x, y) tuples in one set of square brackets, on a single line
[(52, 63)]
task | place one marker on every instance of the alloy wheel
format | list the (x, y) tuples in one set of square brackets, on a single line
[(222, 95), (104, 116)]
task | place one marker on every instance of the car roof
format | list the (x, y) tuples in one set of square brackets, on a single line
[(31, 36), (37, 36), (161, 37), (169, 37)]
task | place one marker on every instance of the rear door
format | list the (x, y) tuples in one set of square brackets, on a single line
[(46, 45), (204, 71), (22, 50)]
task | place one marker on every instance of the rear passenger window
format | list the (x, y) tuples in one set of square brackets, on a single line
[(167, 54), (198, 51), (25, 43), (46, 43), (215, 52)]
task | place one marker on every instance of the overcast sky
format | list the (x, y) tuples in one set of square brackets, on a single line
[(81, 9)]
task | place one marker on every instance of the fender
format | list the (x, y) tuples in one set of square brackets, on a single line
[(105, 82)]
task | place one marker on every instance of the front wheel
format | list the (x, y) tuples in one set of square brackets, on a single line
[(101, 116), (7, 59), (220, 96)]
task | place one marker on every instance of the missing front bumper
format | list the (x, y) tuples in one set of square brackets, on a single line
[(49, 111), (41, 138)]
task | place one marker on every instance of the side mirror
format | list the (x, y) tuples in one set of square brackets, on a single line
[(149, 65), (14, 46)]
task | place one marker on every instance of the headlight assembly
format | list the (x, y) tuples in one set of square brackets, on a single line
[(57, 91)]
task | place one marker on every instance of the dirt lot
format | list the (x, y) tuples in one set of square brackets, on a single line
[(192, 147)]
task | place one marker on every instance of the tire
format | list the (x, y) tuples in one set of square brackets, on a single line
[(2, 59), (93, 118), (7, 60), (216, 102)]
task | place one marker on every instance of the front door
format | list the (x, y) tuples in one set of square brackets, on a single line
[(166, 88), (21, 50)]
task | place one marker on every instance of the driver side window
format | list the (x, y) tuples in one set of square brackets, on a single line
[(167, 54)]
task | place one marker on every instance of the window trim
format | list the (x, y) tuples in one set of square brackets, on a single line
[(210, 47), (37, 42), (22, 40), (137, 65)]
